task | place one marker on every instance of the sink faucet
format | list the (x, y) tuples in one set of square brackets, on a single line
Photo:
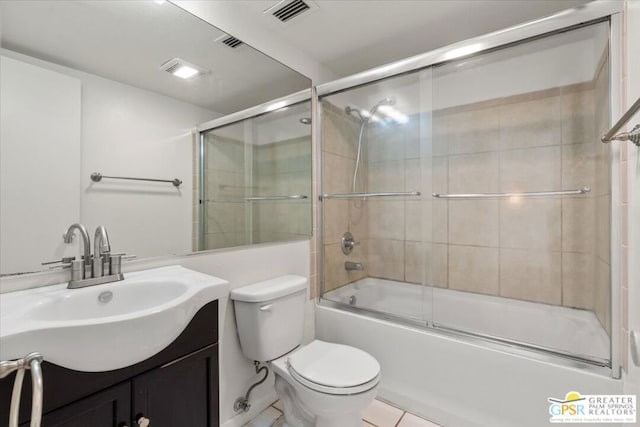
[(68, 238), (100, 246)]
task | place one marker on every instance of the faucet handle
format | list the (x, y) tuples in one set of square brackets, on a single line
[(65, 262)]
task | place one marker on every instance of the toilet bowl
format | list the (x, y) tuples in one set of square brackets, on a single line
[(326, 385), (321, 384)]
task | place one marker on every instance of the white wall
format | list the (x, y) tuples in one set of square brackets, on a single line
[(127, 131), (240, 267), (40, 163), (632, 379)]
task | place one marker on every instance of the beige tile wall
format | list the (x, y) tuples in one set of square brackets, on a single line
[(549, 250), (339, 139), (602, 194), (535, 249), (225, 222), (279, 169)]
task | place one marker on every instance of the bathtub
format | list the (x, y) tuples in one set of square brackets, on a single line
[(562, 329), (456, 380)]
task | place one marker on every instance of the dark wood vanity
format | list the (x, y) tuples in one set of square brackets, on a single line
[(176, 387)]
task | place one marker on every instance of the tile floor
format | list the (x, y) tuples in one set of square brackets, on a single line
[(378, 414)]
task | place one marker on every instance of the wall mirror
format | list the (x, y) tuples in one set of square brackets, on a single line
[(116, 88)]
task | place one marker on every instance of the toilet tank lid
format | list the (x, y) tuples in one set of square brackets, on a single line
[(270, 289)]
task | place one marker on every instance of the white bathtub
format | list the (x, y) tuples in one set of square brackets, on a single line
[(577, 332), (455, 381)]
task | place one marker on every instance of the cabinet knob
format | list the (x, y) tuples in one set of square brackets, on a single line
[(143, 422)]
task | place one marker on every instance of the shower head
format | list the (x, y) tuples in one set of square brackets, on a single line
[(352, 111), (391, 100), (365, 115)]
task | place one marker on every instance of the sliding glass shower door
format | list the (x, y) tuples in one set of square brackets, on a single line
[(508, 238), (376, 185), (524, 193)]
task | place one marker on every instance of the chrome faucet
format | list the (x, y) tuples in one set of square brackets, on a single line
[(68, 238), (103, 268), (100, 247)]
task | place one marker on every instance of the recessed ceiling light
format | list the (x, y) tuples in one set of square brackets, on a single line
[(185, 72), (183, 69)]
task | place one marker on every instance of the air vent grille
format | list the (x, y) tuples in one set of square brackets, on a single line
[(232, 42), (173, 68), (291, 10)]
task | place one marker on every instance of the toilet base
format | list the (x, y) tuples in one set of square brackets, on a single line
[(304, 407)]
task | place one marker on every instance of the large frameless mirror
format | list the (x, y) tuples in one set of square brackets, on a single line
[(117, 89)]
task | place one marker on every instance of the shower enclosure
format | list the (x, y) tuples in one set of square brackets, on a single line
[(477, 194), (254, 176)]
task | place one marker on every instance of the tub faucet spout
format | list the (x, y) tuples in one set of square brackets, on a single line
[(353, 266)]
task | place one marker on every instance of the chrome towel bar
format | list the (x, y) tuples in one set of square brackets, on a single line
[(578, 192), (633, 135), (31, 361), (97, 177), (260, 199), (291, 197), (365, 195)]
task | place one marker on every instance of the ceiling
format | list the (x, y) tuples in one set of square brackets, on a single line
[(348, 36), (128, 41)]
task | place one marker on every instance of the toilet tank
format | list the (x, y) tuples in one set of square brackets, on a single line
[(270, 316)]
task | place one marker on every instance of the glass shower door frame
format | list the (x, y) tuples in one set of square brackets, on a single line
[(589, 13)]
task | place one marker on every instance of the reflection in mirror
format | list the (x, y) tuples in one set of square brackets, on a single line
[(91, 86), (256, 176)]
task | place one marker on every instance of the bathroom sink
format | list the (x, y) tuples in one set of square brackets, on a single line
[(105, 327), (99, 302)]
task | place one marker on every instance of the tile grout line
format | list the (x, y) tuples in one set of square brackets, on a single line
[(400, 419)]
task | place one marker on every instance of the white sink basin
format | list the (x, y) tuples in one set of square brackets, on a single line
[(105, 327)]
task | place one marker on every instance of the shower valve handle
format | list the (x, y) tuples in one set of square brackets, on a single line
[(348, 243)]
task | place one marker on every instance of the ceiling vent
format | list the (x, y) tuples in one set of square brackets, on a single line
[(290, 10), (232, 42)]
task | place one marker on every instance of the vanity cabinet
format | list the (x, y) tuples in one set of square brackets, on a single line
[(177, 387), (108, 408)]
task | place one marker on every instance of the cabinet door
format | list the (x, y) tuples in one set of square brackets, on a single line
[(108, 408), (180, 393)]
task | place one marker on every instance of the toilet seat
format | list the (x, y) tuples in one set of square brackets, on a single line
[(334, 368)]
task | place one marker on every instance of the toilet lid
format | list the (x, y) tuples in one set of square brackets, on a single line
[(334, 365)]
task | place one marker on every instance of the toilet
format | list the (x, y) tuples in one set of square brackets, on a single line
[(320, 384)]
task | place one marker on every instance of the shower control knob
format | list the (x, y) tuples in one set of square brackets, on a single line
[(348, 243)]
